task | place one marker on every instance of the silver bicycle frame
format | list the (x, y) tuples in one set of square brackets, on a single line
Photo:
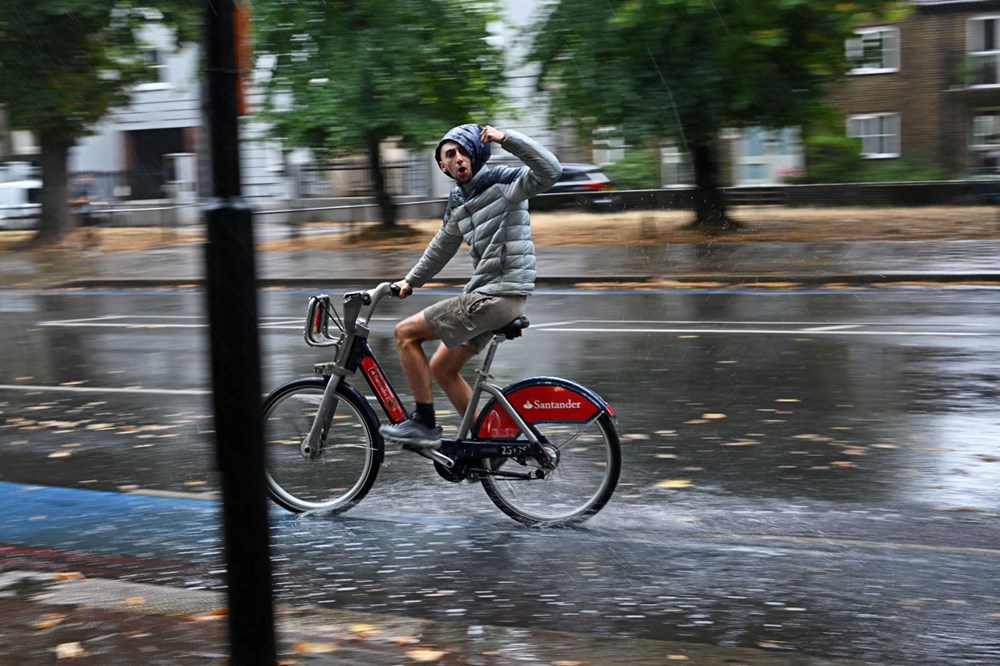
[(355, 326), (482, 385)]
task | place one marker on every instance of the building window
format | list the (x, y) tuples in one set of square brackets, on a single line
[(156, 69), (765, 142), (878, 132), (985, 144), (874, 51), (983, 41), (609, 146)]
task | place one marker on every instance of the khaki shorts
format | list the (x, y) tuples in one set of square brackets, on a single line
[(470, 319)]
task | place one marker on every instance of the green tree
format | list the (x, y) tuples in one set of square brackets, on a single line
[(63, 65), (350, 75), (687, 69)]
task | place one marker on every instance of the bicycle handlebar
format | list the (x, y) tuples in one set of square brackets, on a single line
[(355, 301), (358, 309)]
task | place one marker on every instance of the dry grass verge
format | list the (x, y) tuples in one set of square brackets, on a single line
[(762, 224)]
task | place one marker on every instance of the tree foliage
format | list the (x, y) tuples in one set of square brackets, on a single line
[(687, 69), (63, 65), (349, 75)]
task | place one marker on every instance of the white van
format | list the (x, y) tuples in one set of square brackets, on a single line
[(19, 192)]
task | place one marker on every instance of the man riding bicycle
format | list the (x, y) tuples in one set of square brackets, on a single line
[(488, 210)]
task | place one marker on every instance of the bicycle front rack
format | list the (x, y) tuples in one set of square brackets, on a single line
[(320, 313)]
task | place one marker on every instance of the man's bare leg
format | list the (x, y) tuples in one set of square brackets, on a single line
[(445, 366), (421, 431), (410, 334)]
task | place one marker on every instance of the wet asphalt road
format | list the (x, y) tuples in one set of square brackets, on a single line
[(810, 470)]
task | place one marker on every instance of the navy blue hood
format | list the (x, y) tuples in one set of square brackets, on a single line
[(467, 136)]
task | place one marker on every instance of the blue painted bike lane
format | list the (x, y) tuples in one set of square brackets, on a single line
[(110, 523)]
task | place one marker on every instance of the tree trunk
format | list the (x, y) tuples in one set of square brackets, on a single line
[(709, 202), (54, 222), (382, 197)]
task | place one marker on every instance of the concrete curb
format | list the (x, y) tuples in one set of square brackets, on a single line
[(555, 282)]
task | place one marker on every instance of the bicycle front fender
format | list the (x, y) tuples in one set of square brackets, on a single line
[(540, 400)]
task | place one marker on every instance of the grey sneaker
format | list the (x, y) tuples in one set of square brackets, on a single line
[(412, 434)]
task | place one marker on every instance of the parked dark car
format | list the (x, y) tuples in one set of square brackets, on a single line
[(592, 187)]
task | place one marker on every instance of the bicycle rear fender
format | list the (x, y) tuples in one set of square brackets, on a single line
[(540, 400)]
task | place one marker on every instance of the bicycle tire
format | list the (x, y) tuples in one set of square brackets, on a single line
[(344, 471), (587, 472)]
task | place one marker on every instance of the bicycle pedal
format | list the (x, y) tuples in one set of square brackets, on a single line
[(432, 454)]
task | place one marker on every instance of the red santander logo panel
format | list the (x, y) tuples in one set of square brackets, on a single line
[(538, 404)]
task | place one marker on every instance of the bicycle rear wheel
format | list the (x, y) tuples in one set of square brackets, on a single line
[(345, 469), (585, 477)]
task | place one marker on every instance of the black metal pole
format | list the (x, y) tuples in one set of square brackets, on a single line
[(235, 353)]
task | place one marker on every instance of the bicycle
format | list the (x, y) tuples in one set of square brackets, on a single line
[(545, 449)]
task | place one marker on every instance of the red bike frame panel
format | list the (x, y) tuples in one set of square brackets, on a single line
[(538, 403), (383, 390)]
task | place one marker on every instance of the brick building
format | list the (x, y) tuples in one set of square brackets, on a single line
[(926, 89)]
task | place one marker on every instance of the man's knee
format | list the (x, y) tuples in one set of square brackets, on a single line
[(413, 330)]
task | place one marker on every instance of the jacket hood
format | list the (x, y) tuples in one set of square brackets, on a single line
[(467, 136)]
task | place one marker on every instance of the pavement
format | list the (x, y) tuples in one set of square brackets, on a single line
[(54, 608), (172, 264)]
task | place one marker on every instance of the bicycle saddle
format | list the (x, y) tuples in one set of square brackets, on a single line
[(514, 328)]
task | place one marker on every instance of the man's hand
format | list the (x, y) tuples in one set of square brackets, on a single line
[(404, 288), (491, 134)]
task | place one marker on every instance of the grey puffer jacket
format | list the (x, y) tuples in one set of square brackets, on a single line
[(490, 213)]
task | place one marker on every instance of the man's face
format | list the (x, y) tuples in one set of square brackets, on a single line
[(455, 162)]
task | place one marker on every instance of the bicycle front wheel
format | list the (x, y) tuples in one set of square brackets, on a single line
[(585, 476), (343, 471)]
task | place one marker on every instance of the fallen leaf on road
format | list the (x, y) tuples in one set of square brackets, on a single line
[(360, 628), (217, 614), (68, 575), (70, 651), (425, 654), (309, 647), (813, 437), (49, 620), (405, 640), (677, 484)]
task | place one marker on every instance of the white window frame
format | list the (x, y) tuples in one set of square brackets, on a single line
[(981, 140), (888, 39), (976, 50), (984, 140), (156, 64), (879, 134)]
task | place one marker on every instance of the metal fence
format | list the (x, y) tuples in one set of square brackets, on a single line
[(353, 178)]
